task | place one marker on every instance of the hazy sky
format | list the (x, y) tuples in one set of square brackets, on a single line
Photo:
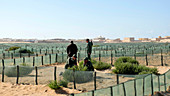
[(77, 19)]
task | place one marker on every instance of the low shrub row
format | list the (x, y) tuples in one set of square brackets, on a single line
[(128, 65), (56, 85)]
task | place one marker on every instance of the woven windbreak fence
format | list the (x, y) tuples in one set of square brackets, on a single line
[(142, 85)]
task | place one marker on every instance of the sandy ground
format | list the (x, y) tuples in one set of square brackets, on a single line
[(7, 89)]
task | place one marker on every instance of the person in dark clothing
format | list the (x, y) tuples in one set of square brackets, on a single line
[(89, 48), (71, 61), (72, 49), (88, 64)]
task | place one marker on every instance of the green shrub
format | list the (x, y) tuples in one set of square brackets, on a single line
[(81, 67), (63, 83), (124, 60), (101, 66), (25, 51), (54, 85), (127, 65), (13, 48), (144, 72), (93, 61), (96, 45), (96, 64)]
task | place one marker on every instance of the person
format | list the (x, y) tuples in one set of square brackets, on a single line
[(89, 48), (88, 64), (71, 61), (72, 49)]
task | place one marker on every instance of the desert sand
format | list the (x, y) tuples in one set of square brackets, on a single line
[(8, 89)]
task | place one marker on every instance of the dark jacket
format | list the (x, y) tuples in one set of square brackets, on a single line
[(70, 62), (89, 47), (89, 66), (71, 49)]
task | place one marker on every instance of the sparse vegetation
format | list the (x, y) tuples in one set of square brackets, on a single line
[(127, 65), (63, 83), (54, 85), (97, 65), (101, 66), (96, 45), (25, 51), (13, 48)]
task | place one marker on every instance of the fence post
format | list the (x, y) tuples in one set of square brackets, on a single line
[(124, 89), (3, 73), (55, 73), (135, 86), (50, 58), (111, 91), (28, 54), (158, 83), (165, 81), (3, 63), (40, 51), (161, 59), (56, 57), (23, 59), (46, 52), (36, 76), (99, 57), (135, 56), (62, 57), (152, 53), (12, 55), (143, 86), (33, 61), (17, 74), (146, 57), (3, 55), (74, 81), (111, 58), (78, 57), (117, 78), (42, 60), (94, 80), (52, 51), (14, 61), (152, 85), (92, 92)]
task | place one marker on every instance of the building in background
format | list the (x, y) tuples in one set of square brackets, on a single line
[(128, 39)]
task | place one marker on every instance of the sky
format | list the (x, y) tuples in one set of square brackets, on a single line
[(78, 19)]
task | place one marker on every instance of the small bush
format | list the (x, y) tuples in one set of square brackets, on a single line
[(54, 85), (63, 83), (25, 51), (81, 67), (96, 64), (144, 72), (101, 66), (128, 65), (125, 60), (96, 45), (13, 48)]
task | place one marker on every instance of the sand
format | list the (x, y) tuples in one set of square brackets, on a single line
[(7, 89)]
